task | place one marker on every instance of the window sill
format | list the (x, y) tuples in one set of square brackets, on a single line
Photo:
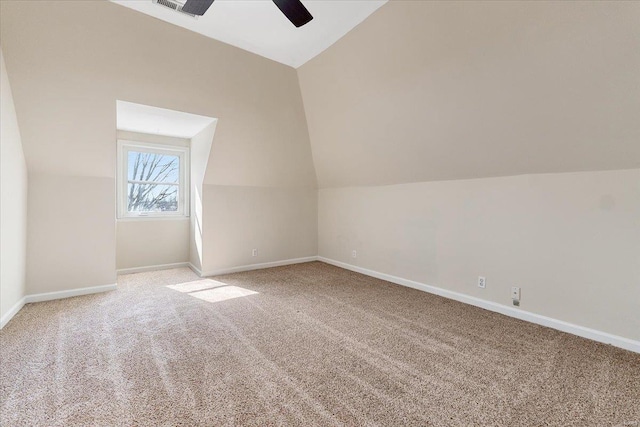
[(152, 218)]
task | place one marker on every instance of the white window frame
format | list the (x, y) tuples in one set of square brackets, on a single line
[(122, 179)]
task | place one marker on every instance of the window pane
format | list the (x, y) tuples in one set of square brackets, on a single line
[(152, 198), (153, 167)]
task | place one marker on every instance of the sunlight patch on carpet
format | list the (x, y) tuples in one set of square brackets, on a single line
[(211, 290), (222, 294)]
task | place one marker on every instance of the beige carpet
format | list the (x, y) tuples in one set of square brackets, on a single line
[(304, 345)]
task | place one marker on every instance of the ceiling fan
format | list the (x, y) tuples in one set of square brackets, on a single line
[(294, 10)]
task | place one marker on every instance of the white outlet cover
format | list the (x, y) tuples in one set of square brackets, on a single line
[(482, 282), (354, 254)]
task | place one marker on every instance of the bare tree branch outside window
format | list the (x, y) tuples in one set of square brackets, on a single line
[(153, 182)]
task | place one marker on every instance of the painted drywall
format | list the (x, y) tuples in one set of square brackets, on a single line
[(424, 91), (13, 203), (412, 112), (154, 139), (200, 152), (570, 241), (71, 61), (280, 222), (146, 242), (71, 236)]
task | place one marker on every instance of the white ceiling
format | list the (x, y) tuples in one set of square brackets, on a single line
[(259, 27), (159, 121)]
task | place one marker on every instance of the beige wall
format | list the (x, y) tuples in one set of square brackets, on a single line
[(13, 203), (147, 242), (71, 235), (424, 91), (70, 61), (280, 222), (570, 241)]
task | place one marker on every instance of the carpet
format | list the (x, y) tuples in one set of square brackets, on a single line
[(308, 344)]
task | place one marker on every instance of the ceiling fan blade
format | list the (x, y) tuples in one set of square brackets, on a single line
[(197, 7), (295, 11)]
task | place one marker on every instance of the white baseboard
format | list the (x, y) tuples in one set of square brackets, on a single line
[(152, 268), (255, 266), (195, 269), (12, 312), (592, 334), (48, 296)]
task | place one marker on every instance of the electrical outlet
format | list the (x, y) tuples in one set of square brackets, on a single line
[(354, 254), (254, 252), (482, 282), (515, 293)]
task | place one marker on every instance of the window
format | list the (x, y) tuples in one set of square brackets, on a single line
[(153, 180)]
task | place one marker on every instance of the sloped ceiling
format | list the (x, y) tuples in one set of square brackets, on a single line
[(426, 91), (259, 27)]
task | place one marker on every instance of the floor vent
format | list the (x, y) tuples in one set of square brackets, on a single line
[(173, 5)]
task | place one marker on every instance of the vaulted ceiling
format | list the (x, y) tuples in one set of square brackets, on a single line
[(259, 27), (426, 91)]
